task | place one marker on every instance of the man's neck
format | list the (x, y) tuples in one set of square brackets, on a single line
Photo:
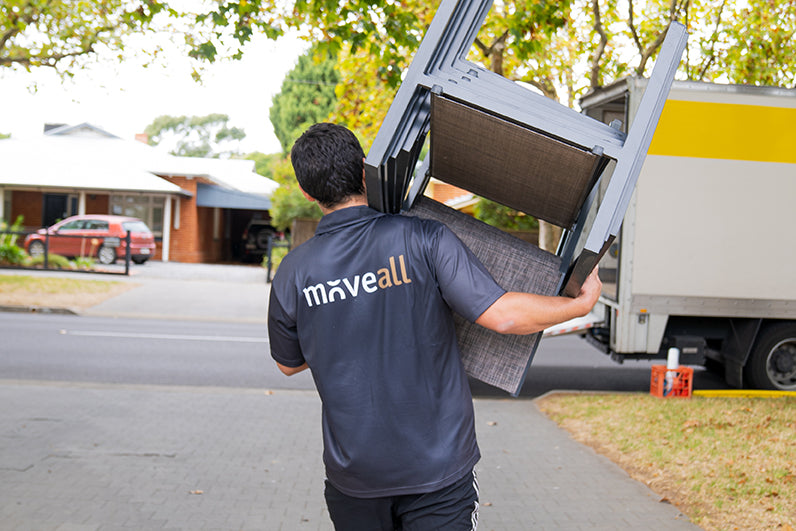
[(354, 200)]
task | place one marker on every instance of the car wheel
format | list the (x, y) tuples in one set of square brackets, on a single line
[(36, 249), (106, 255), (140, 261), (772, 364)]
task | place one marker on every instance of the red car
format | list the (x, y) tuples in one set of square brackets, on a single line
[(94, 235)]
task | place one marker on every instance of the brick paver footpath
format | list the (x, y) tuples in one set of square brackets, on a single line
[(77, 457)]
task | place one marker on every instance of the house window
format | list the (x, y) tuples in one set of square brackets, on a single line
[(147, 208)]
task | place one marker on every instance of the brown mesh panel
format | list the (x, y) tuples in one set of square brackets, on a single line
[(509, 164)]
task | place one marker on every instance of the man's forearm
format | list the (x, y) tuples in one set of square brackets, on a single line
[(528, 313)]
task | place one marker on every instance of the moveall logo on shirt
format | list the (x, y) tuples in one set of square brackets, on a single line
[(370, 282)]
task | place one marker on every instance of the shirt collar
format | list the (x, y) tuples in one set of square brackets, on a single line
[(344, 217)]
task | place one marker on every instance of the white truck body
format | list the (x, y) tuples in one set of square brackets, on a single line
[(706, 257)]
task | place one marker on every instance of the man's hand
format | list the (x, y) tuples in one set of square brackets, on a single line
[(590, 291)]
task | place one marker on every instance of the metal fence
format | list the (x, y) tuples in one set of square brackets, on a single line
[(88, 248), (273, 243)]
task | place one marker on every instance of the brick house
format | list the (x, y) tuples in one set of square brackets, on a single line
[(451, 196), (197, 208)]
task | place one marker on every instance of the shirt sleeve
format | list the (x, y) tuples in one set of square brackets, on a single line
[(282, 332), (465, 284)]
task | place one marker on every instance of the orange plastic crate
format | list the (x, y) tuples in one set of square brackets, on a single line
[(680, 384)]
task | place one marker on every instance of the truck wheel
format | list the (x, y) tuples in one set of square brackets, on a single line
[(106, 255), (772, 364)]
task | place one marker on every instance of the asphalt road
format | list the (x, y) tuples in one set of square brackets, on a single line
[(169, 352), (139, 351)]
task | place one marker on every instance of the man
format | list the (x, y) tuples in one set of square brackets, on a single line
[(366, 306)]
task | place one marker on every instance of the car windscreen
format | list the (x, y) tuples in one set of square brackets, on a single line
[(135, 226)]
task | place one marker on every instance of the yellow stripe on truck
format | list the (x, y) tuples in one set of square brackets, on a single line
[(726, 131)]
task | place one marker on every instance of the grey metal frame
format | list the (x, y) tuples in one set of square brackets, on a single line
[(440, 67)]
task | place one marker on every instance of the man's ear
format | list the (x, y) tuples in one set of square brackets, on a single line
[(306, 195)]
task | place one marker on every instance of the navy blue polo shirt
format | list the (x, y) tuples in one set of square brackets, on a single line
[(366, 303)]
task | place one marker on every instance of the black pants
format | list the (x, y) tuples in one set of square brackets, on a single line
[(452, 508)]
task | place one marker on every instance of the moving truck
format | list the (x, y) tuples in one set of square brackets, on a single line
[(706, 258)]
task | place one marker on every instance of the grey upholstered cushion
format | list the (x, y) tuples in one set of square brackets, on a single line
[(499, 360)]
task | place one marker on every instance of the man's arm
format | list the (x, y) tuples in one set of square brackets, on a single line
[(527, 313), (290, 371)]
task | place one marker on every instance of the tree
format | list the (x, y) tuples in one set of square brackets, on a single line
[(265, 164), (745, 44), (66, 34), (307, 96), (195, 136), (386, 29), (57, 33), (748, 42), (287, 202)]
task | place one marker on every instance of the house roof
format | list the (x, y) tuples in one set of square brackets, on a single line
[(75, 163), (209, 195), (85, 157), (236, 174), (84, 129)]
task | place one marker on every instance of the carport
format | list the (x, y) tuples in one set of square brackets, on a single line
[(236, 208)]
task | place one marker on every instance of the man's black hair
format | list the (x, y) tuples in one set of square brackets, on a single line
[(328, 162)]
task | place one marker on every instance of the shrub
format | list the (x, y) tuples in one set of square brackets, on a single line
[(10, 252), (85, 263), (12, 255), (54, 261), (277, 253)]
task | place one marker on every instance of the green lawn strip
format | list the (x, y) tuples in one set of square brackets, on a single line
[(726, 462)]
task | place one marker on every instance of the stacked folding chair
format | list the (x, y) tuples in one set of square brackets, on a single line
[(499, 140)]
